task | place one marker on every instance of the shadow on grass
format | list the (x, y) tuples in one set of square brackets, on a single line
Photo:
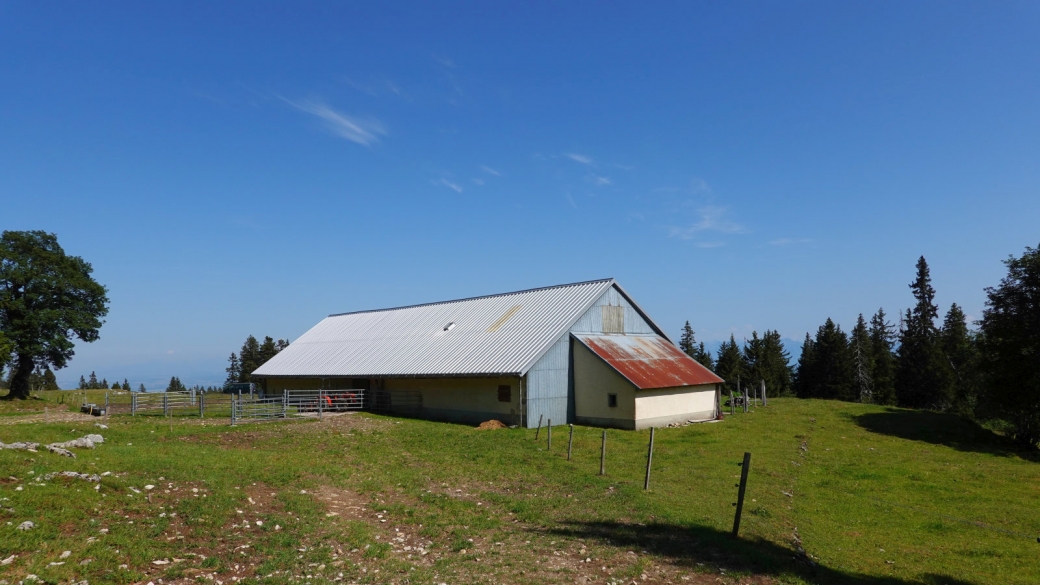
[(693, 546), (941, 429)]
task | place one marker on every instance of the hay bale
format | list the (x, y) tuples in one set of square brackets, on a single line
[(490, 425)]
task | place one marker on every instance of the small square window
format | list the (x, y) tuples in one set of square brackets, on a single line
[(612, 400), (505, 393)]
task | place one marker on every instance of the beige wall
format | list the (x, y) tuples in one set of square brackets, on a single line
[(594, 379), (462, 397), (661, 406)]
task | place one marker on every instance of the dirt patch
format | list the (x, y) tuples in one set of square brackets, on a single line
[(403, 539), (491, 425), (60, 416)]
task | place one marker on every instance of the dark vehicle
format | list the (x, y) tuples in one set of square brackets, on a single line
[(244, 388)]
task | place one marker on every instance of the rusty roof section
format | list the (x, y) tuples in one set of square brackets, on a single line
[(649, 361)]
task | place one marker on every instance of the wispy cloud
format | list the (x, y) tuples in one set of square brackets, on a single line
[(710, 244), (364, 132), (601, 181), (478, 181), (789, 241), (571, 201), (490, 171), (453, 186), (711, 220), (583, 159)]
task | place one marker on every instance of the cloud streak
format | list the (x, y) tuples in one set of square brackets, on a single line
[(711, 220), (359, 131), (453, 186), (581, 158), (490, 171), (789, 241)]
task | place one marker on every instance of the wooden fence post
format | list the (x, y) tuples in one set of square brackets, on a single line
[(202, 405), (548, 431), (603, 455), (570, 443), (740, 494), (649, 460), (539, 430), (732, 404), (764, 401)]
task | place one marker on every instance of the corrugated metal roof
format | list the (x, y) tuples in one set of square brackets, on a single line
[(490, 336), (649, 361)]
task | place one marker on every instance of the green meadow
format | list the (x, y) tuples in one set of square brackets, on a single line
[(837, 493)]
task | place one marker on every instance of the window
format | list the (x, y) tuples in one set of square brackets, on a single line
[(612, 400), (505, 393)]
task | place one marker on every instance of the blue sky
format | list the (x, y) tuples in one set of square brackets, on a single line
[(248, 168)]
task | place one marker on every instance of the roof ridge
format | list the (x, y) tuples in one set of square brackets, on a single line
[(448, 302)]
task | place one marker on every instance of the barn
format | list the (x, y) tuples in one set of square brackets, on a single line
[(581, 353)]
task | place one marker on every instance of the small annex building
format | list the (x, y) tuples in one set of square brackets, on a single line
[(581, 353)]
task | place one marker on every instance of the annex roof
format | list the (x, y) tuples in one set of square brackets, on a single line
[(649, 361), (503, 334)]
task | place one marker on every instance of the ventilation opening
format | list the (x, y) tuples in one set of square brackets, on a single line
[(613, 319), (449, 326), (612, 400)]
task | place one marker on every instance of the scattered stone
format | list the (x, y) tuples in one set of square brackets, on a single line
[(8, 560), (20, 446), (95, 478), (101, 426), (61, 451), (160, 563), (27, 525), (149, 487), (65, 555)]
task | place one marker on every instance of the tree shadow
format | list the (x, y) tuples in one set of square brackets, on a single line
[(701, 548), (941, 429)]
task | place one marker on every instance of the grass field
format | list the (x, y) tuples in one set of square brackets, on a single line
[(872, 495)]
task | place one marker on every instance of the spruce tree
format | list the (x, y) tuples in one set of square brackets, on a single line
[(141, 388), (776, 364), (883, 359), (922, 373), (175, 385), (805, 373), (282, 344), (82, 383), (834, 374), (248, 358), (126, 385), (50, 382), (1010, 336), (687, 342), (862, 362), (961, 351), (703, 356), (234, 370), (729, 365), (92, 383), (268, 349), (104, 384)]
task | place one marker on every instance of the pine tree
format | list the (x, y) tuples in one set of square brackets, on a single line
[(103, 385), (234, 370), (882, 340), (922, 373), (729, 365), (248, 358), (961, 351), (82, 383), (282, 344), (687, 342), (862, 362), (141, 388), (92, 383), (126, 385)]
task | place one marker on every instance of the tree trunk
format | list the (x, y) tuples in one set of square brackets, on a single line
[(20, 379)]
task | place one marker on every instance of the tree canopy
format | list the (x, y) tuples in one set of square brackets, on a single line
[(47, 298), (1010, 329)]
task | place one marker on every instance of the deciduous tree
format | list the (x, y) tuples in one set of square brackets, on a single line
[(47, 298)]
